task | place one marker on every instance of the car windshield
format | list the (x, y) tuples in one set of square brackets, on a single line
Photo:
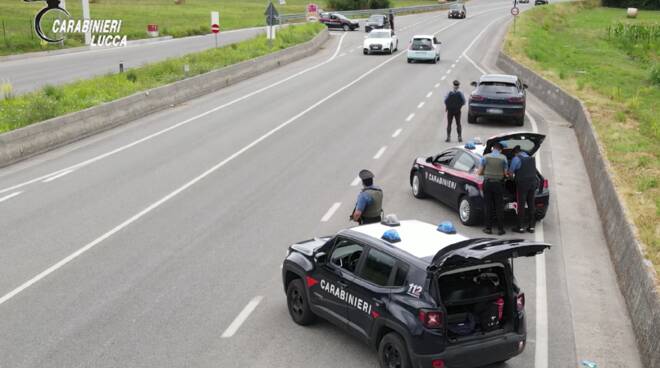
[(376, 18), (379, 35), (423, 44), (498, 87), (456, 7), (341, 17)]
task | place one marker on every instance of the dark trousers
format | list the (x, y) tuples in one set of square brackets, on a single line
[(493, 196), (368, 220), (457, 116), (526, 194)]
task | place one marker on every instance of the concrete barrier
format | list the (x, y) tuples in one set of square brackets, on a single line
[(636, 275), (40, 137)]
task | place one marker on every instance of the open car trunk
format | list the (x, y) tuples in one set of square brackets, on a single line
[(478, 301)]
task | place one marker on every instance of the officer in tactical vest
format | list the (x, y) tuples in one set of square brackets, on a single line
[(494, 169), (524, 168), (369, 206), (454, 101)]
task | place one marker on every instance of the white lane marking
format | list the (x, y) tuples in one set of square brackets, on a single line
[(380, 152), (331, 211), (55, 177), (342, 54), (180, 124), (351, 50), (173, 194), (396, 133), (421, 104), (8, 197), (443, 77), (448, 71), (242, 317), (457, 60), (410, 117), (355, 181), (437, 85), (429, 94), (464, 53), (453, 65)]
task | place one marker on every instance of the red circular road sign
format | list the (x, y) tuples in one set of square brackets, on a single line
[(515, 11), (215, 28)]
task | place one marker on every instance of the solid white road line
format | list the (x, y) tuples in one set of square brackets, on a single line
[(331, 211), (429, 94), (180, 124), (396, 133), (421, 104), (380, 152), (8, 197), (242, 317), (355, 181), (54, 177), (410, 117)]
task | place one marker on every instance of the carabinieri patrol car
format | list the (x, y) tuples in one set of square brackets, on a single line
[(420, 294), (451, 176)]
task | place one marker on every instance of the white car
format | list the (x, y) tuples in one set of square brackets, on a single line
[(380, 40), (424, 48)]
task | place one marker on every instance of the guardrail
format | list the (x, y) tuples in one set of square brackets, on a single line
[(284, 18)]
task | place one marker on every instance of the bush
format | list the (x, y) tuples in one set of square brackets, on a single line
[(641, 4), (357, 4), (654, 74), (379, 4)]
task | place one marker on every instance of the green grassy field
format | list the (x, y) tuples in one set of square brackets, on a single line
[(611, 63), (52, 101), (191, 18)]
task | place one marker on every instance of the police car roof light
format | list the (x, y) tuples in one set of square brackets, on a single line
[(391, 236), (447, 227), (470, 145), (391, 220)]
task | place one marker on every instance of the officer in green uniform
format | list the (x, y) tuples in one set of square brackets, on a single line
[(369, 205), (494, 167)]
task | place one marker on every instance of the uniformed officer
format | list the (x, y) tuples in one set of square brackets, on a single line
[(369, 205), (524, 168), (494, 168), (391, 18), (454, 101)]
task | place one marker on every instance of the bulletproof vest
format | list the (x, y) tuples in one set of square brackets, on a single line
[(494, 167), (374, 209), (454, 101), (527, 171)]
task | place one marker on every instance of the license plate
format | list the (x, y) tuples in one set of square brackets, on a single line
[(494, 111)]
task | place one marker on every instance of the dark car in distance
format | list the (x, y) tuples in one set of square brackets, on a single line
[(499, 97), (541, 2), (451, 177), (376, 21), (457, 11), (420, 297), (338, 21)]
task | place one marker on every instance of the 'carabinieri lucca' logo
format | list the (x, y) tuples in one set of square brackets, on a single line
[(50, 5)]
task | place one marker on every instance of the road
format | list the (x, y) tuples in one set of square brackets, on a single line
[(159, 243), (30, 74)]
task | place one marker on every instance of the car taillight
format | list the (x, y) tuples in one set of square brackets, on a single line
[(520, 302), (430, 318), (515, 99), (545, 184), (438, 363), (477, 98)]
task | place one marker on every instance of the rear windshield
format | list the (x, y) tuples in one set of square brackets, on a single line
[(423, 44), (379, 35), (498, 87), (456, 7), (525, 144), (376, 18)]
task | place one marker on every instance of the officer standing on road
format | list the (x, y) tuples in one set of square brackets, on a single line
[(494, 168), (369, 206), (524, 168), (391, 17), (454, 101)]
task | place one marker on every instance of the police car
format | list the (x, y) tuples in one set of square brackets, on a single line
[(420, 294), (451, 176)]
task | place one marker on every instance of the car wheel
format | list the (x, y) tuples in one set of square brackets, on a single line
[(296, 300), (472, 119), (416, 185), (391, 49), (410, 61), (365, 52), (346, 27), (540, 214), (392, 352), (467, 212), (520, 121)]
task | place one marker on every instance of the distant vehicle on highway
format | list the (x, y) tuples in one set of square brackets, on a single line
[(377, 21), (451, 176), (523, 1), (424, 48), (498, 96), (338, 21), (380, 41), (457, 11), (420, 294), (541, 2)]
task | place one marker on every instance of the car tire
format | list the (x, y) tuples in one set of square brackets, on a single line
[(346, 28), (391, 49), (392, 352), (365, 52), (520, 121), (298, 304), (540, 214), (410, 61), (467, 212), (471, 119), (417, 187)]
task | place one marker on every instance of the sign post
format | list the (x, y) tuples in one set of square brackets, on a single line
[(215, 25), (271, 21), (514, 11)]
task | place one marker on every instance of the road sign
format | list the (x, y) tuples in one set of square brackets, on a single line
[(515, 11), (215, 28), (271, 14), (312, 8)]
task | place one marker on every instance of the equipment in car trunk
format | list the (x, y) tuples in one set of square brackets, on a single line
[(461, 324)]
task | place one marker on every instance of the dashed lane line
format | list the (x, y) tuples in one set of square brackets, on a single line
[(331, 211), (242, 317), (10, 196)]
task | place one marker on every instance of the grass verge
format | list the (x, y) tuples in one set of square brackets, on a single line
[(190, 18), (611, 63), (49, 102)]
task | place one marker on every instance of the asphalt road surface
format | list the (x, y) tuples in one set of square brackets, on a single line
[(159, 243)]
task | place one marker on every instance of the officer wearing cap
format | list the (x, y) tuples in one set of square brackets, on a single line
[(524, 169), (494, 169), (454, 101), (369, 205), (391, 19)]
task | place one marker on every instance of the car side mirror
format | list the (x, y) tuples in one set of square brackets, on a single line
[(524, 86), (429, 159), (473, 84), (320, 258)]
